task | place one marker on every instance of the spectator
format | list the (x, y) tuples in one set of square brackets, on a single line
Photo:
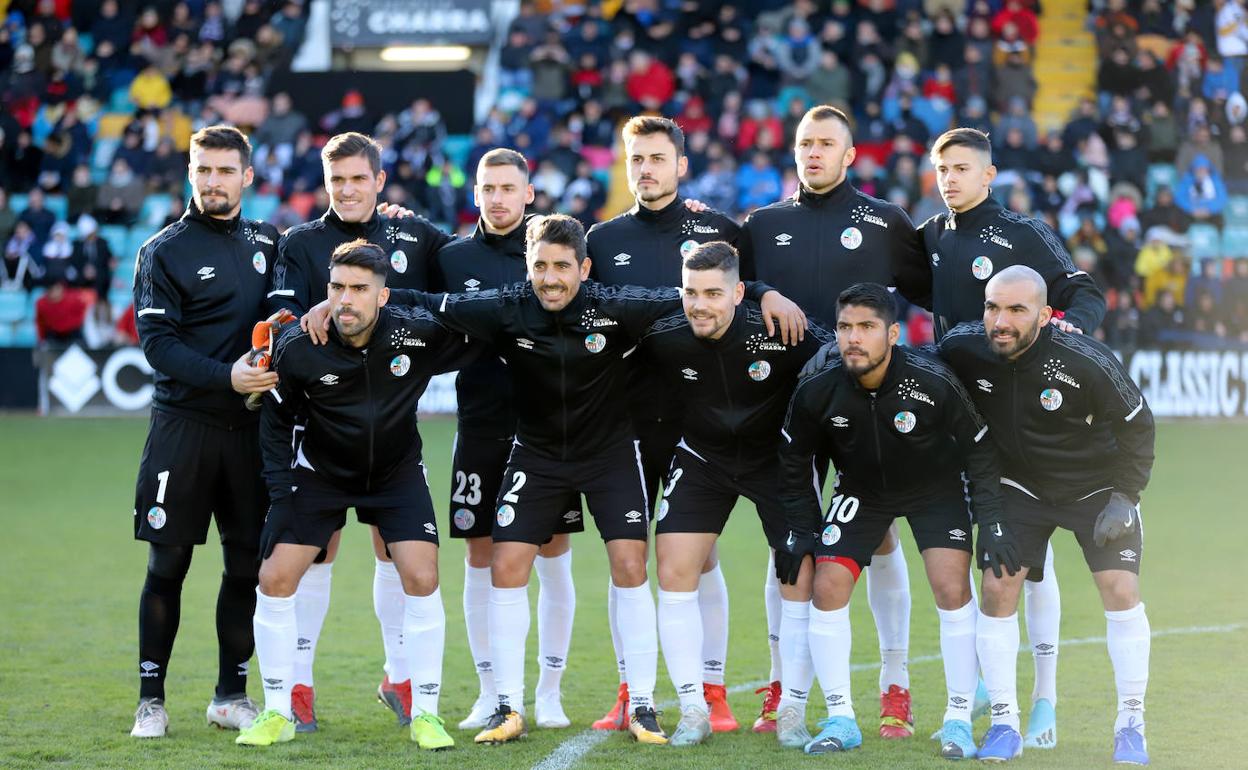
[(1201, 192), (829, 84), (60, 314), (1153, 82), (758, 183), (1157, 251), (1165, 213), (281, 128), (1171, 278), (1235, 156), (760, 119), (289, 23), (93, 258), (1232, 30), (39, 218), (1122, 322), (1121, 247), (1117, 76), (80, 196), (1013, 80), (167, 169), (150, 90), (1204, 317), (58, 265), (20, 269), (650, 83), (111, 26), (798, 53), (8, 217), (353, 116), (551, 67), (1163, 133), (1160, 321), (1209, 280), (1219, 82), (1021, 17), (120, 197)]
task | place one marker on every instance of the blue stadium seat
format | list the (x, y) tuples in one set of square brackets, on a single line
[(1236, 214), (18, 201), (1159, 174), (6, 335), (260, 206), (102, 153), (134, 239), (58, 205), (116, 237), (119, 100), (788, 94), (24, 335), (154, 209), (12, 305), (123, 276), (120, 299), (1235, 241), (1206, 242), (457, 147)]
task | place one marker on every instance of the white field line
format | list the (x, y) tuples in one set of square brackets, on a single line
[(569, 752)]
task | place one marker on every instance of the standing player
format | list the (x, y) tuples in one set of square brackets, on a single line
[(1076, 443), (200, 286), (964, 248), (645, 247), (812, 247), (735, 384), (353, 179), (357, 396), (492, 258), (903, 435)]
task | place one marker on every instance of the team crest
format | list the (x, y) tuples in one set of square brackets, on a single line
[(400, 365), (904, 422), (259, 262), (760, 370), (831, 534), (464, 518), (506, 515), (687, 247), (595, 343), (156, 517), (1050, 399), (851, 238), (981, 268), (398, 261)]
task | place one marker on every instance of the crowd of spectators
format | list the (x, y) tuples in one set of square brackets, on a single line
[(1144, 180)]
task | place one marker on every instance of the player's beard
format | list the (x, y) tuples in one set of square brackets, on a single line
[(1016, 344), (659, 191), (858, 370), (354, 328), (217, 204)]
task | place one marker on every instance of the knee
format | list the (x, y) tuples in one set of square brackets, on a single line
[(675, 577), (952, 595), (275, 582), (508, 573), (169, 562), (240, 564), (1000, 594), (480, 550), (833, 586), (629, 570), (1122, 594), (420, 581)]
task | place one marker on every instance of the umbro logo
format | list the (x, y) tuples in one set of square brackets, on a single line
[(571, 516), (484, 666), (527, 344), (984, 385), (634, 517), (1000, 708), (1128, 554), (430, 528), (687, 689), (714, 665), (835, 700), (330, 379), (622, 259), (472, 284), (840, 422), (206, 272), (1132, 703), (783, 239), (553, 661), (958, 534), (429, 688), (689, 374), (149, 666), (1044, 647), (957, 700), (274, 682)]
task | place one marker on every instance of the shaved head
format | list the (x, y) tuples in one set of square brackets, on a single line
[(1015, 310)]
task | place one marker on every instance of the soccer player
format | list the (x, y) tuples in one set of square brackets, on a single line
[(964, 248), (735, 384), (353, 178), (199, 287), (903, 435), (1076, 444), (812, 247), (360, 448), (492, 258), (645, 247)]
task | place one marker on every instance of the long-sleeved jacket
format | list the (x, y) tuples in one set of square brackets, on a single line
[(735, 389), (962, 251), (902, 445), (302, 272), (199, 287), (1066, 417), (358, 405)]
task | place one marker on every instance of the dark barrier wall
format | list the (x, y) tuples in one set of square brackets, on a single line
[(19, 379), (317, 93)]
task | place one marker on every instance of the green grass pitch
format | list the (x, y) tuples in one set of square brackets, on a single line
[(70, 576)]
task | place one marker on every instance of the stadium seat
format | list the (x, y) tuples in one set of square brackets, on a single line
[(12, 305), (1206, 242), (135, 238), (18, 201), (123, 276), (1234, 241), (457, 147), (260, 206), (119, 299), (24, 335), (1159, 174), (6, 335), (102, 154), (58, 205), (116, 236), (1236, 214), (154, 209)]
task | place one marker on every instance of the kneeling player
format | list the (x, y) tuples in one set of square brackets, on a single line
[(1079, 452), (735, 384), (901, 430), (361, 449)]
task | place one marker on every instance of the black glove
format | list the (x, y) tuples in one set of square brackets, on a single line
[(280, 518), (999, 547), (826, 351), (1115, 519), (790, 556)]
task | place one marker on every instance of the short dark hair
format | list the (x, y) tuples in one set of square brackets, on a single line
[(869, 295), (557, 229), (361, 253), (828, 112), (223, 138), (350, 145), (503, 156), (963, 137), (646, 125), (714, 255)]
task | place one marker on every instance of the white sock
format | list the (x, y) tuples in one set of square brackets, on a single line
[(996, 642), (1129, 640), (713, 605), (888, 593), (1043, 611), (556, 606), (639, 637), (681, 632), (957, 650), (771, 598), (311, 606), (388, 600), (830, 642), (277, 634), (477, 619), (509, 631), (797, 667), (424, 638), (612, 603)]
